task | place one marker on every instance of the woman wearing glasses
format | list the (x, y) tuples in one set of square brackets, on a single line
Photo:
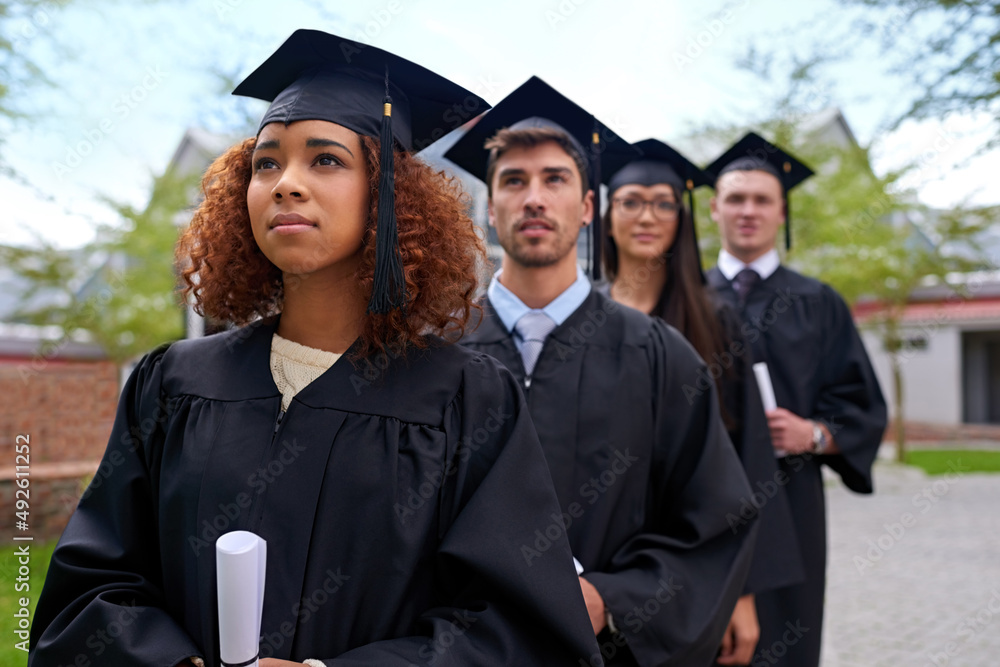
[(652, 263)]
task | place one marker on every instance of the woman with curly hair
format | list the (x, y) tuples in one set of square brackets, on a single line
[(653, 264), (395, 477)]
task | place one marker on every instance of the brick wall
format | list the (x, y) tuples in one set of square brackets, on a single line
[(67, 408)]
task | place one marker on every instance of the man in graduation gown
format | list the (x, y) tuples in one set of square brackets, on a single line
[(644, 476), (830, 408)]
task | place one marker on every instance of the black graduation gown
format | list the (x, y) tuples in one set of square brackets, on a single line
[(820, 370), (776, 562), (394, 507), (644, 476)]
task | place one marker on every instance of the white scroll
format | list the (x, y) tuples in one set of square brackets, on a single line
[(766, 393), (240, 559), (765, 386)]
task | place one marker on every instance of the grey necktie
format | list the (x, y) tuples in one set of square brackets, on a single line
[(744, 282), (532, 328)]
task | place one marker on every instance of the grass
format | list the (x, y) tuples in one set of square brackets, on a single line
[(9, 596), (941, 461)]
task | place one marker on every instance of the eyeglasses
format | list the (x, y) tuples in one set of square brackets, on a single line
[(630, 208)]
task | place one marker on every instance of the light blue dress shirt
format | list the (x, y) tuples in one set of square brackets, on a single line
[(510, 308)]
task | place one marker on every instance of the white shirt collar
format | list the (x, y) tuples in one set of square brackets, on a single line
[(764, 265)]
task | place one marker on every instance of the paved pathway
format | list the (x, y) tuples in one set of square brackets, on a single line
[(914, 573)]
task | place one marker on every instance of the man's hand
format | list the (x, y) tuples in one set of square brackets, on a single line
[(789, 432), (741, 636), (595, 606)]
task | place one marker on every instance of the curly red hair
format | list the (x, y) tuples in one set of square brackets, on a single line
[(230, 279)]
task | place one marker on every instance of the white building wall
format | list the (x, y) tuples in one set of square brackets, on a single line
[(932, 377)]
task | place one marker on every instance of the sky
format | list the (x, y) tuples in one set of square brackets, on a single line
[(130, 77)]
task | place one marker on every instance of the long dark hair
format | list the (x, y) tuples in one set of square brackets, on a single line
[(685, 302)]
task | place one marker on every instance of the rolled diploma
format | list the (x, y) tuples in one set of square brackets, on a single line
[(240, 559), (765, 386), (766, 393)]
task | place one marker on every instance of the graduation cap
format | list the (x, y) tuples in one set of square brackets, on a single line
[(755, 153), (536, 104), (318, 76), (661, 163)]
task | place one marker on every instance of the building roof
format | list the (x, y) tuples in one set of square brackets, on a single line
[(972, 298), (978, 311)]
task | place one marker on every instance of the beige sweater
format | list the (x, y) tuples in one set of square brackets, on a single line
[(294, 366)]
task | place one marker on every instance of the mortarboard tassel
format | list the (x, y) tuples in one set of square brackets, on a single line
[(788, 210), (788, 226), (595, 224), (389, 286)]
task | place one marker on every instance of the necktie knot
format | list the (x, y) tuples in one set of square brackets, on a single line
[(532, 329), (744, 282)]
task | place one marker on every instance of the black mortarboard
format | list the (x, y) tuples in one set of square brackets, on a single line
[(537, 104), (661, 163), (755, 153), (318, 76)]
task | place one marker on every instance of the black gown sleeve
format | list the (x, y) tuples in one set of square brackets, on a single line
[(496, 606), (672, 587), (102, 597), (850, 401)]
